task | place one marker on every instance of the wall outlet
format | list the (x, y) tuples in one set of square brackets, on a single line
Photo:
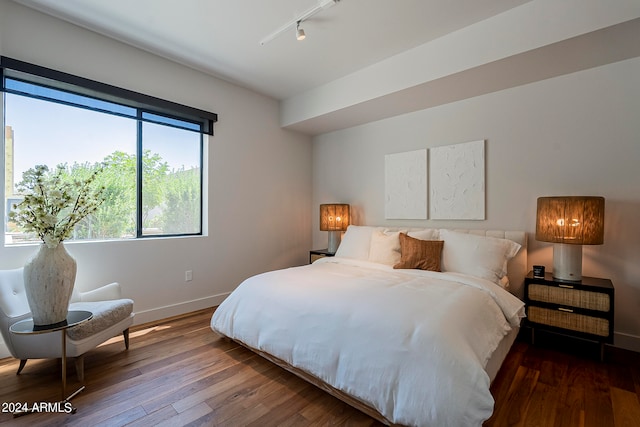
[(188, 275)]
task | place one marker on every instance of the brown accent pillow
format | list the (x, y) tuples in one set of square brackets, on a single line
[(421, 254)]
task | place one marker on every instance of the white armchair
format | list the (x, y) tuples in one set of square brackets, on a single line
[(112, 316)]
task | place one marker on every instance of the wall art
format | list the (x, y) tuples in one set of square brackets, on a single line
[(456, 176), (406, 185)]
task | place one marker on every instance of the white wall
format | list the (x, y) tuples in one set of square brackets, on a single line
[(576, 134), (258, 187)]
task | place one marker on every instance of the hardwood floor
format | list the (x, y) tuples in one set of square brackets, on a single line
[(561, 382), (178, 372)]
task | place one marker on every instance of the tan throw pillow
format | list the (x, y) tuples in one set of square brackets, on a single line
[(421, 254)]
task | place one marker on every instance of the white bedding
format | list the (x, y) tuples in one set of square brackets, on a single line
[(411, 344)]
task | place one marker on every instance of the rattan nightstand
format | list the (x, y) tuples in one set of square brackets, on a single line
[(581, 309), (319, 253)]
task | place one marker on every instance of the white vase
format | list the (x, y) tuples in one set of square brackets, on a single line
[(49, 277)]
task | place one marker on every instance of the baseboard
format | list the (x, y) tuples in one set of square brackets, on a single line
[(158, 313), (626, 341)]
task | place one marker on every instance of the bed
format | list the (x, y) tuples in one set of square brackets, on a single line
[(415, 345)]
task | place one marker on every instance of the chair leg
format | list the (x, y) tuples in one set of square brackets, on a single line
[(21, 367), (80, 367), (125, 334)]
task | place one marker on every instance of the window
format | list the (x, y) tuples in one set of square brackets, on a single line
[(150, 151)]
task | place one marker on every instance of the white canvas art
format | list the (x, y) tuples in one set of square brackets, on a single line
[(406, 185), (457, 181)]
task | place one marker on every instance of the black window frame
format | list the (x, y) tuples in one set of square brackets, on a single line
[(147, 109)]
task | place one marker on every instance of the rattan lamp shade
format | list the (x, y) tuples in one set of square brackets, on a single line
[(334, 218), (570, 222)]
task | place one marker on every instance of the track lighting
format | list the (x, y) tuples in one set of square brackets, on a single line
[(300, 35), (322, 5)]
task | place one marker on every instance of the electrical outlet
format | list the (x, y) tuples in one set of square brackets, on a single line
[(188, 276)]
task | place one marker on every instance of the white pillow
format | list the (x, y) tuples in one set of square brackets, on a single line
[(480, 256), (355, 242), (385, 247), (426, 234)]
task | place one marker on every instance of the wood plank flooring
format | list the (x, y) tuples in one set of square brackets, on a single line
[(561, 382), (179, 373)]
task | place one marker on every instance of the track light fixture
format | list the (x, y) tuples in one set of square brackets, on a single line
[(300, 35), (322, 5)]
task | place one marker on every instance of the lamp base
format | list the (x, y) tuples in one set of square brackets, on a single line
[(334, 241), (567, 262)]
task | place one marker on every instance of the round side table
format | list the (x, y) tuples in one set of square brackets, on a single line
[(74, 317)]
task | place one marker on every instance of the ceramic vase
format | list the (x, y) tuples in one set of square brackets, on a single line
[(49, 277)]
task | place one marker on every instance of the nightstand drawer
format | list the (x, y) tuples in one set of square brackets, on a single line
[(565, 295), (560, 318)]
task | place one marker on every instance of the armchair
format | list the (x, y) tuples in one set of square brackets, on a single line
[(112, 316)]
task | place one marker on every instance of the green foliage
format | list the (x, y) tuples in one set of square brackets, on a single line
[(117, 216), (154, 177), (170, 199), (181, 213)]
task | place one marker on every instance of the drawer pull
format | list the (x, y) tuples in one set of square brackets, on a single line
[(568, 310), (566, 286)]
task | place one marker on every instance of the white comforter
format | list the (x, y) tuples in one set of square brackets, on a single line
[(412, 344)]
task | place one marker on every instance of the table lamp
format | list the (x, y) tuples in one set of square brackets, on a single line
[(334, 218), (570, 222)]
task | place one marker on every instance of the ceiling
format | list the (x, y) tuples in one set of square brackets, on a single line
[(365, 60), (221, 37)]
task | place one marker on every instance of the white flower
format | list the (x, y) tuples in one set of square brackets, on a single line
[(49, 220), (52, 206)]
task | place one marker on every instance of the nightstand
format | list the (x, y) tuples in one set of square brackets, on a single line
[(581, 309), (319, 253)]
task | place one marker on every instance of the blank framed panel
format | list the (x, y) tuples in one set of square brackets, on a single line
[(406, 185), (456, 176)]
